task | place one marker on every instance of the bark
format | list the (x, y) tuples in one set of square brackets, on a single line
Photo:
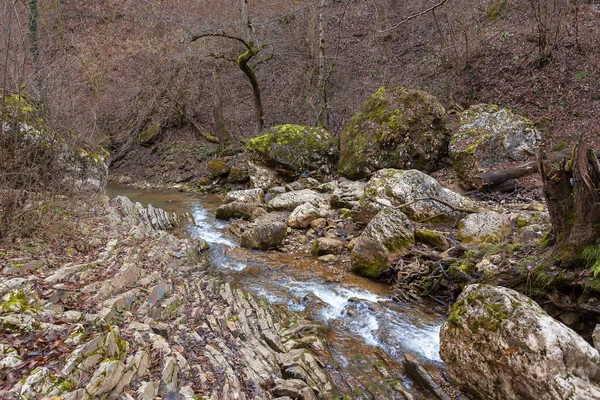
[(247, 22), (572, 191), (34, 49), (495, 178), (243, 64), (218, 119), (321, 84)]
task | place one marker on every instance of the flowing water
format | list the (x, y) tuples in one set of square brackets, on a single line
[(369, 332)]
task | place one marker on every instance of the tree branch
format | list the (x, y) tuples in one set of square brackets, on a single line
[(441, 3), (195, 37), (430, 198)]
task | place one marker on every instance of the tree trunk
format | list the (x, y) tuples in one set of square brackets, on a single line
[(572, 191), (34, 48), (218, 119), (247, 22), (249, 72), (321, 84)]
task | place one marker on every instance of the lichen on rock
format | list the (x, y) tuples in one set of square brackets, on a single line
[(293, 149), (489, 136), (499, 344), (395, 128)]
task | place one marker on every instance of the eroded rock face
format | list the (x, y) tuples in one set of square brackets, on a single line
[(488, 137), (293, 149), (386, 237), (395, 128), (484, 227), (394, 187), (499, 344)]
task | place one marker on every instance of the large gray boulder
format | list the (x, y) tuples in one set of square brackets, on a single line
[(293, 149), (488, 137), (386, 237), (347, 193), (484, 227), (264, 234), (395, 128), (499, 344), (394, 187), (290, 200), (254, 196), (236, 209)]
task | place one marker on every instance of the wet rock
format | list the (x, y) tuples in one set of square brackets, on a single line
[(395, 128), (484, 227), (499, 344), (488, 137), (392, 187), (304, 214), (105, 378), (237, 209), (386, 237), (264, 235), (293, 149), (254, 196), (323, 246), (290, 200)]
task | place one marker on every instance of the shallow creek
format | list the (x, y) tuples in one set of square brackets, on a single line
[(369, 332)]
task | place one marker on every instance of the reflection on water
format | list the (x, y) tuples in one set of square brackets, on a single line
[(364, 322)]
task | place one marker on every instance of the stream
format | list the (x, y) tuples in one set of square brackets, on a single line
[(369, 333)]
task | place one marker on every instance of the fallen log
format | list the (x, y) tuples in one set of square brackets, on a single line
[(491, 179)]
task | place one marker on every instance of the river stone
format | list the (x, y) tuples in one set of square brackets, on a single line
[(325, 245), (347, 194), (264, 235), (254, 196), (499, 344), (484, 227), (261, 177), (393, 187), (387, 236), (488, 137), (304, 214), (236, 209), (395, 128), (293, 149), (290, 200)]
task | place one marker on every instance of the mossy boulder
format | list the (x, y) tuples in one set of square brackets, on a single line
[(489, 136), (149, 135), (293, 149), (217, 168), (484, 227), (386, 237), (500, 345), (395, 128), (394, 187)]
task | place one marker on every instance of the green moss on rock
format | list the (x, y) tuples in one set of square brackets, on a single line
[(216, 168), (149, 135), (395, 128), (294, 149)]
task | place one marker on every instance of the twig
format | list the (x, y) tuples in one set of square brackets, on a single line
[(441, 3), (430, 198)]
